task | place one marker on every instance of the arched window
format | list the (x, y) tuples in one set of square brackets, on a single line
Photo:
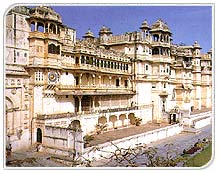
[(39, 135), (52, 29), (82, 60), (155, 51), (126, 66), (52, 48), (46, 27), (108, 64), (57, 49), (97, 62), (112, 65), (155, 37), (32, 26), (40, 27)]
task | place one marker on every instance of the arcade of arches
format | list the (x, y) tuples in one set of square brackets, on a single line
[(117, 121)]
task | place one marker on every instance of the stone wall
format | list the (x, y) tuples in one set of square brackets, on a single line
[(202, 122), (62, 140), (132, 141), (192, 120)]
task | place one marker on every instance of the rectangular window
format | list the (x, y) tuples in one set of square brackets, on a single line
[(77, 80), (15, 58), (153, 85), (126, 83), (126, 66), (117, 82), (38, 76), (112, 65)]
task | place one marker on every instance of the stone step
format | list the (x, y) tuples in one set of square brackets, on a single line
[(190, 130)]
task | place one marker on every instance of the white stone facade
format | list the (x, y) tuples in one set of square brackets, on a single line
[(53, 79)]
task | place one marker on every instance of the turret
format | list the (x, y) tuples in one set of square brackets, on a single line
[(104, 33), (89, 35), (161, 38), (145, 29)]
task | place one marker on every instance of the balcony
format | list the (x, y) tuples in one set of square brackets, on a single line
[(88, 67), (162, 58), (44, 35), (163, 44), (92, 90), (206, 72), (187, 64)]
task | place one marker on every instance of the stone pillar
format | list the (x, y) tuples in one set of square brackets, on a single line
[(74, 146), (80, 79), (48, 27), (36, 24), (110, 81), (93, 103), (56, 29), (119, 81), (99, 81), (80, 104), (93, 78), (44, 27)]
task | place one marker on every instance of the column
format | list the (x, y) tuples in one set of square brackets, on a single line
[(119, 81), (56, 30), (48, 27), (44, 27), (93, 103), (36, 24), (99, 81), (80, 105), (93, 78), (110, 81), (80, 79)]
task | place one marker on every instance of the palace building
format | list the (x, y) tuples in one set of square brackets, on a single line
[(55, 81)]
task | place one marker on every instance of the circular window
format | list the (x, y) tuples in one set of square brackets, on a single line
[(52, 76)]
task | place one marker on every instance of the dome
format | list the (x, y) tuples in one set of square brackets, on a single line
[(45, 12), (159, 25), (196, 45), (105, 30), (89, 34), (145, 25)]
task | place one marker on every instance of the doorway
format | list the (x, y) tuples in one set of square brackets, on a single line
[(39, 135)]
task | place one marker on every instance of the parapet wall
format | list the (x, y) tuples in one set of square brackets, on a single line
[(132, 141)]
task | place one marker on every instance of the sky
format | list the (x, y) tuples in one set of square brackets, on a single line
[(187, 23)]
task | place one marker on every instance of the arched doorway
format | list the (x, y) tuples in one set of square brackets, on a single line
[(131, 117), (39, 135), (9, 116), (76, 104), (86, 103), (102, 120), (113, 119), (122, 117), (75, 126)]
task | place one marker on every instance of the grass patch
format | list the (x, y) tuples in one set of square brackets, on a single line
[(201, 158)]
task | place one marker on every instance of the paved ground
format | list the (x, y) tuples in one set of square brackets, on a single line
[(180, 142), (37, 159), (125, 132)]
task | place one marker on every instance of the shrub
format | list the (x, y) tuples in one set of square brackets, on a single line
[(100, 128)]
